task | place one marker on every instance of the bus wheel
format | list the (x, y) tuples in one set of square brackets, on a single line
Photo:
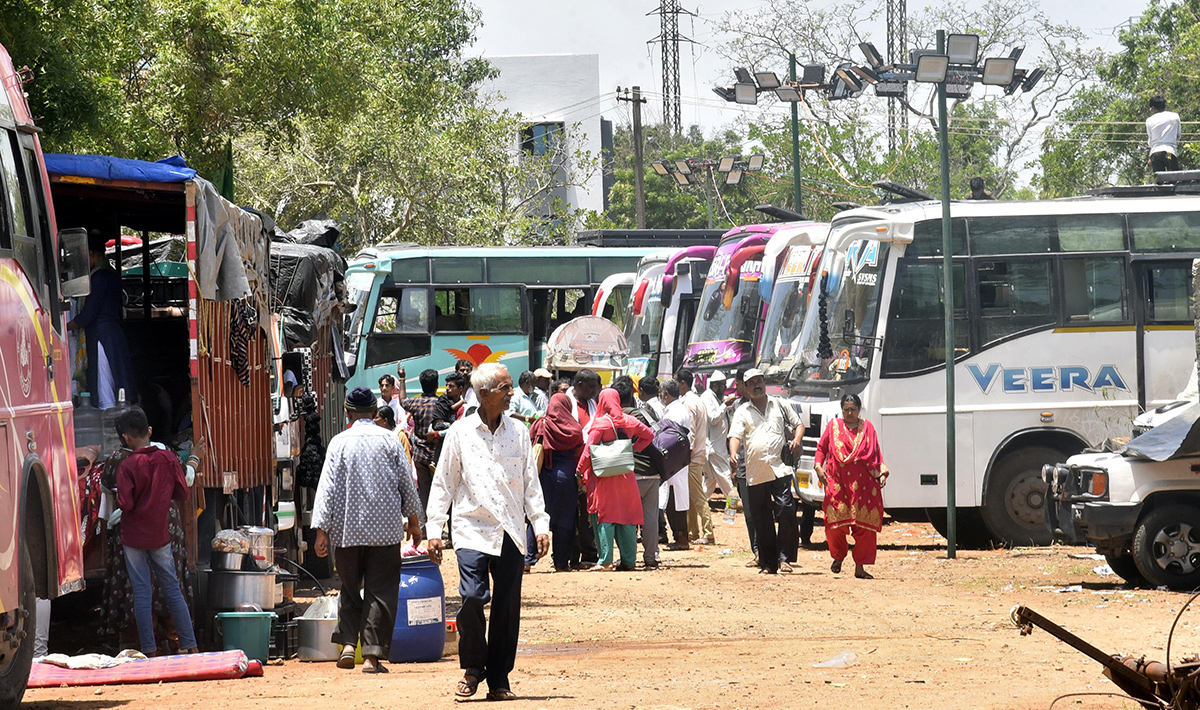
[(1014, 506), (1125, 567), (16, 660), (1166, 547)]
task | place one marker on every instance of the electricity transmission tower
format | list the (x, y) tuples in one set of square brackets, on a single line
[(897, 49), (668, 36)]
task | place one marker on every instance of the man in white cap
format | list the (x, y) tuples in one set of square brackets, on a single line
[(541, 389), (716, 405), (757, 435)]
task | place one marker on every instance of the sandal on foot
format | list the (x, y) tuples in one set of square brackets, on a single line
[(501, 694), (603, 568), (836, 566), (467, 686), (863, 574), (346, 660), (377, 668)]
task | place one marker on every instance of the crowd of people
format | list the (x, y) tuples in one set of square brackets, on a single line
[(507, 473)]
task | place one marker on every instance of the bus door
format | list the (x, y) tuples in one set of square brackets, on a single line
[(548, 309), (1166, 344)]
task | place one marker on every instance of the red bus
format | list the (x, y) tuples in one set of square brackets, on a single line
[(39, 509)]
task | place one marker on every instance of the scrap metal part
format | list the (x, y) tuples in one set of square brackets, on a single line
[(1154, 685)]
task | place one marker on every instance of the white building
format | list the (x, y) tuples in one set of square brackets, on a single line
[(557, 93)]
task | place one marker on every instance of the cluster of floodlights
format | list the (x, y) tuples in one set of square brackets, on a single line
[(958, 69), (684, 171)]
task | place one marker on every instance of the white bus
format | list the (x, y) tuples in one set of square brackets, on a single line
[(662, 307), (1071, 316)]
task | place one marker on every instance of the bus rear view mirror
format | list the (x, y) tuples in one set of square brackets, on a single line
[(848, 324), (645, 343), (76, 269), (714, 302)]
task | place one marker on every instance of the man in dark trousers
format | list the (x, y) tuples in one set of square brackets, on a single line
[(365, 494), (424, 445), (488, 478)]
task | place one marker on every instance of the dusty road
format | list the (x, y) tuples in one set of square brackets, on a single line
[(705, 631)]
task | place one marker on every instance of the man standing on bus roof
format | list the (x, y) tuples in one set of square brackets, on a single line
[(977, 191), (1162, 134), (109, 368)]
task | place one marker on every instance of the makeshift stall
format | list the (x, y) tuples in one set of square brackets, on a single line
[(588, 342)]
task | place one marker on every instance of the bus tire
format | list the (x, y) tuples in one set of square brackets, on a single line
[(1014, 504), (16, 662), (1166, 547), (1125, 567)]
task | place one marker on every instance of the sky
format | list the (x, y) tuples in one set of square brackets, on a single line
[(618, 30)]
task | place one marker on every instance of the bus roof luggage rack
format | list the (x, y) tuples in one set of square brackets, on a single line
[(1179, 182), (1172, 177), (906, 193), (650, 238)]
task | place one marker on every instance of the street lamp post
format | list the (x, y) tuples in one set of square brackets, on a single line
[(948, 287), (684, 172), (749, 86)]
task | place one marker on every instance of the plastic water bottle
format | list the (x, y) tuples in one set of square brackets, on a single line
[(731, 504)]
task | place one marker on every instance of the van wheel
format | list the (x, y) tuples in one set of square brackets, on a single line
[(1014, 504), (15, 662), (1125, 567), (1166, 547)]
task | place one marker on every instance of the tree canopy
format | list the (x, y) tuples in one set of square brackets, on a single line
[(364, 111)]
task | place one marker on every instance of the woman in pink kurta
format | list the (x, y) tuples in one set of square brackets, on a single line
[(851, 469), (614, 502)]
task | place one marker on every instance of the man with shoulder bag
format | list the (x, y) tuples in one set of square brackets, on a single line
[(757, 434)]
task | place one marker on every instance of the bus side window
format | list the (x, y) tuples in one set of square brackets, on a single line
[(916, 332), (404, 311), (17, 186), (1169, 292), (1094, 289), (1015, 295)]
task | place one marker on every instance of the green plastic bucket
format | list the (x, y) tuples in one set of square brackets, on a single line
[(247, 631)]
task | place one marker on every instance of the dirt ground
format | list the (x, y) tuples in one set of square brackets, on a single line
[(705, 631)]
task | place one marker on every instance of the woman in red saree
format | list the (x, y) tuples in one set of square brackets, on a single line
[(614, 502), (851, 469)]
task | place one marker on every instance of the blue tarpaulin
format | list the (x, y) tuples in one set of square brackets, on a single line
[(105, 167)]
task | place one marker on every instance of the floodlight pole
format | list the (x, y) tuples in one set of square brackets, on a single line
[(795, 137), (948, 305)]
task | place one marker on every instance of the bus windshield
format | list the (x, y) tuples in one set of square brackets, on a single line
[(717, 324), (851, 279), (649, 322), (779, 346)]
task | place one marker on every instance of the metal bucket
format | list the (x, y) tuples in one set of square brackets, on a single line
[(315, 643), (227, 589), (262, 546), (228, 561)]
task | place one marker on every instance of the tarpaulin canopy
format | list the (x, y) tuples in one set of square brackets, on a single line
[(1171, 439), (306, 281), (588, 342), (106, 167)]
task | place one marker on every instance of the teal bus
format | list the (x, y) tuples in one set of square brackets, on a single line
[(428, 307)]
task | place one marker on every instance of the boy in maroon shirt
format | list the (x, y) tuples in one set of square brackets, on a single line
[(147, 481)]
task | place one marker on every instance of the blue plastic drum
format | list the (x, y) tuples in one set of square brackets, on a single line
[(420, 633)]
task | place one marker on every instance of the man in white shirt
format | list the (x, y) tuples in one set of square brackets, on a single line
[(759, 426), (389, 396), (673, 495), (487, 473), (1162, 133), (716, 407), (647, 391), (700, 527)]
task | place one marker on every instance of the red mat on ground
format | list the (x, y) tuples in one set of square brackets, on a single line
[(219, 665)]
